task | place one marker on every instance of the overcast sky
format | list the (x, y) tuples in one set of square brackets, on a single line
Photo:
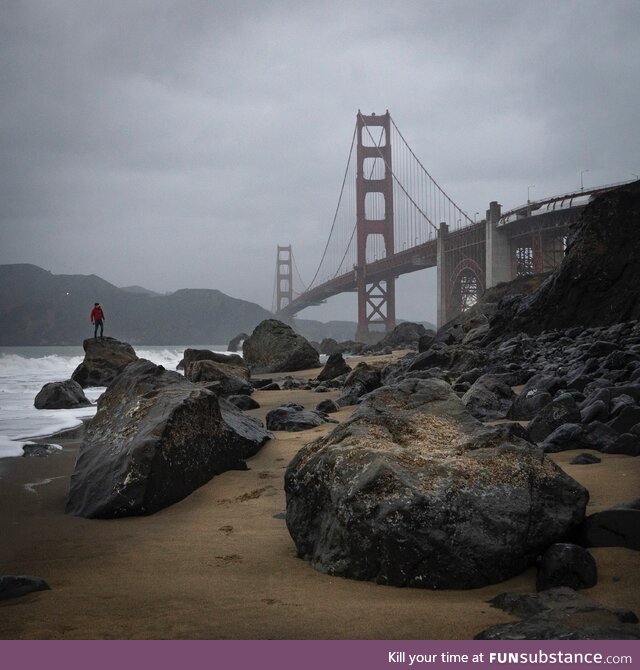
[(174, 144)]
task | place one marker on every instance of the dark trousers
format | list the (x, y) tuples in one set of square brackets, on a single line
[(98, 322)]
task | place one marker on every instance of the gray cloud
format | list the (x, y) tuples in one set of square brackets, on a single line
[(174, 144)]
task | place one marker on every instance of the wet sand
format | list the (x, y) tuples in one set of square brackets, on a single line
[(221, 565)]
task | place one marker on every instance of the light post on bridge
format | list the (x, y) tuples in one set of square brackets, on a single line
[(475, 217), (529, 199), (581, 180)]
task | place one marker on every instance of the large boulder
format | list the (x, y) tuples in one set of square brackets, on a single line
[(236, 342), (275, 347), (559, 411), (413, 491), (293, 418), (233, 379), (566, 564), (360, 381), (404, 335), (192, 355), (334, 367), (615, 527), (155, 438), (490, 397), (61, 395), (104, 359)]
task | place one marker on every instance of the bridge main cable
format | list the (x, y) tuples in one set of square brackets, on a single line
[(424, 169), (335, 216)]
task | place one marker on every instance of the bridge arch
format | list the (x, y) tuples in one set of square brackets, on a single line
[(466, 285)]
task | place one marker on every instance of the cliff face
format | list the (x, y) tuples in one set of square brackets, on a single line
[(597, 281), (40, 308)]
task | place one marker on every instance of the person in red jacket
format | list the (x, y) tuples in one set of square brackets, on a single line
[(97, 318)]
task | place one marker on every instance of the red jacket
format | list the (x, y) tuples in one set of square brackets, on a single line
[(97, 314)]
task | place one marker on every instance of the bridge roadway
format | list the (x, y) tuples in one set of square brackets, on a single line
[(402, 262)]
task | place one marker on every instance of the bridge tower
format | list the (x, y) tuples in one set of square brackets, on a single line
[(376, 299), (284, 278)]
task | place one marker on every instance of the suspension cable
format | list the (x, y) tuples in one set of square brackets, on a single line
[(335, 216), (427, 172), (353, 232), (295, 267)]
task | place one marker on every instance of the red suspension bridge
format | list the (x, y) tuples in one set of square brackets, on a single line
[(393, 218)]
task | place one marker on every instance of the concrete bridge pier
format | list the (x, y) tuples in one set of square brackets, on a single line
[(499, 265), (441, 316)]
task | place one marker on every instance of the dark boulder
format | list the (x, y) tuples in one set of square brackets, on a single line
[(104, 359), (599, 436), (585, 459), (327, 406), (14, 586), (528, 403), (560, 614), (627, 444), (361, 380), (566, 437), (236, 342), (404, 336), (261, 383), (543, 382), (328, 346), (426, 340), (156, 438), (615, 527), (489, 397), (594, 411), (565, 564), (193, 355), (243, 402), (61, 395), (233, 379), (34, 450), (275, 347), (626, 419), (411, 490), (293, 418), (562, 409), (334, 367)]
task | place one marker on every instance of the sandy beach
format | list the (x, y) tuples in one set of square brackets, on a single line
[(221, 565)]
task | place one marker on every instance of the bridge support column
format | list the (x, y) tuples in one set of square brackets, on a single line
[(499, 264), (441, 317), (376, 296), (284, 278)]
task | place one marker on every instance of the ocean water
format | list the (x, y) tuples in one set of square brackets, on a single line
[(25, 370)]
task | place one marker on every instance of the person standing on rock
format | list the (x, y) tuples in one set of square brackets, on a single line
[(97, 319)]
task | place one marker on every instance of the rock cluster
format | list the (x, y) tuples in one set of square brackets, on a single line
[(580, 386)]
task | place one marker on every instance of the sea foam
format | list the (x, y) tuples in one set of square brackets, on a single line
[(24, 371)]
